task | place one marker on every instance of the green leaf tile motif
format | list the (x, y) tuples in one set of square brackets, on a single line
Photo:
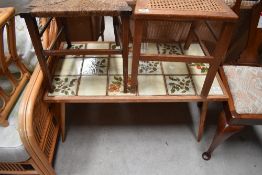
[(169, 49), (65, 85), (94, 66), (179, 84), (149, 67)]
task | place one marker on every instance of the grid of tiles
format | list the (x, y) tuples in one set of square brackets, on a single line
[(102, 75)]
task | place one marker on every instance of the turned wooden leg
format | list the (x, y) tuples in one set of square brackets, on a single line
[(202, 120), (224, 131)]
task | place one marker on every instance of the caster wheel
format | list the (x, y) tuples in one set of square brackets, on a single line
[(206, 156)]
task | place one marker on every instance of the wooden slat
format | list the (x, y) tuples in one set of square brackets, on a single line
[(177, 58)]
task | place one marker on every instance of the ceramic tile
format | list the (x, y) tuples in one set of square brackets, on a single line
[(174, 68), (98, 45), (199, 81), (198, 68), (151, 85), (149, 67), (75, 46), (116, 86), (194, 49), (179, 85), (149, 48), (116, 65), (169, 49), (64, 85), (92, 66), (69, 66), (92, 86)]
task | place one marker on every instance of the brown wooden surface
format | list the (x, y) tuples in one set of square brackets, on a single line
[(78, 7)]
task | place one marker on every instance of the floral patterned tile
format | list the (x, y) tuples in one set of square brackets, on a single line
[(169, 49), (116, 86), (180, 85), (194, 49), (116, 65), (151, 85), (92, 86), (198, 68), (149, 48), (93, 66), (149, 67), (69, 66), (199, 81), (174, 68), (75, 46), (64, 85)]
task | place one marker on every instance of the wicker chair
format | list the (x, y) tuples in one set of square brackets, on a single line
[(27, 146)]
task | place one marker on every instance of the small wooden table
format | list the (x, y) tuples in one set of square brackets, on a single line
[(62, 9), (192, 11)]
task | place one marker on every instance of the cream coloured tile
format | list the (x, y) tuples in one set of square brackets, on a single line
[(199, 81), (151, 85), (198, 68), (194, 49), (116, 86), (149, 48), (69, 66), (92, 86), (174, 68), (93, 66), (64, 85), (179, 85), (116, 65), (149, 67), (97, 45)]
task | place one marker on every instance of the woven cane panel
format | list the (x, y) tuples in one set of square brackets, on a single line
[(194, 5)]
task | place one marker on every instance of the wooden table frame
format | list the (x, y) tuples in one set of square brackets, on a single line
[(143, 14), (43, 54)]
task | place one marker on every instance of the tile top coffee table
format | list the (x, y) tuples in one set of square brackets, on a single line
[(193, 12)]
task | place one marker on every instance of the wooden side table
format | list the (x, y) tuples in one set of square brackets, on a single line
[(61, 9), (192, 11)]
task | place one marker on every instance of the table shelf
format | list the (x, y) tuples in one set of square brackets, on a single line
[(99, 79)]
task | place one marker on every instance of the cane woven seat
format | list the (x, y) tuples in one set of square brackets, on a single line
[(200, 5)]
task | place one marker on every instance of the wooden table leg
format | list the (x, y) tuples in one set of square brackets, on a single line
[(36, 41), (138, 32), (204, 108), (62, 120), (219, 56), (62, 22), (125, 41)]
